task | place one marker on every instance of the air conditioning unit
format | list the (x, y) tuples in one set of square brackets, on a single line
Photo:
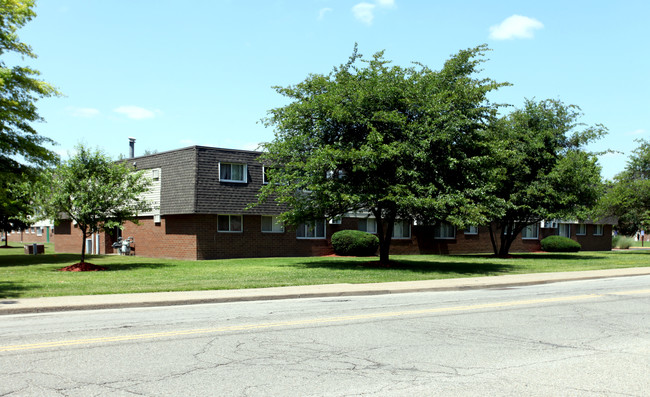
[(549, 224)]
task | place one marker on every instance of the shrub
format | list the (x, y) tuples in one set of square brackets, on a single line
[(622, 242), (560, 244), (354, 243)]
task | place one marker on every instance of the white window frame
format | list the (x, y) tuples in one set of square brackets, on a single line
[(404, 223), (264, 181), (370, 225), (598, 230), (530, 228), (312, 226), (155, 174), (39, 231), (581, 229), (276, 226), (230, 223), (441, 229), (568, 229), (471, 231), (244, 172)]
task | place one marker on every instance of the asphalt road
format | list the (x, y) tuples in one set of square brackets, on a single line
[(581, 338)]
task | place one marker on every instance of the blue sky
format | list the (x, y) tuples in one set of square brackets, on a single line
[(174, 74)]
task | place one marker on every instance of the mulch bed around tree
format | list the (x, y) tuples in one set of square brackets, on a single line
[(82, 267)]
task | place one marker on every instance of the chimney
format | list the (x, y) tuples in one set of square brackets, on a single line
[(131, 147)]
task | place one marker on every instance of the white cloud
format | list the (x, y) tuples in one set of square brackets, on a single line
[(136, 112), (364, 12), (640, 131), (322, 12), (386, 3), (83, 112), (515, 27)]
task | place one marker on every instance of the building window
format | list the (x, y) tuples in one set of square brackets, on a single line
[(581, 229), (39, 231), (155, 175), (315, 229), (402, 229), (530, 232), (33, 230), (564, 229), (271, 224), (265, 180), (598, 230), (229, 223), (444, 230), (368, 225), (232, 172), (471, 230)]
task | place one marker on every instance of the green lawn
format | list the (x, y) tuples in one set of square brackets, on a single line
[(34, 276)]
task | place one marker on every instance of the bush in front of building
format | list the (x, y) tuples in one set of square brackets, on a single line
[(622, 242), (560, 244), (354, 243)]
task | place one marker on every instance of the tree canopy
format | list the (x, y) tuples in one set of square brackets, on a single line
[(93, 191), (21, 147), (543, 170), (628, 195), (395, 142)]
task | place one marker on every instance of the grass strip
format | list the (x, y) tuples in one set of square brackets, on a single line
[(23, 276)]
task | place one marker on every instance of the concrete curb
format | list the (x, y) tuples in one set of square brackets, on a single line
[(96, 302)]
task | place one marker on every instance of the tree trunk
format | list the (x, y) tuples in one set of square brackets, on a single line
[(6, 239), (83, 242), (493, 239), (385, 234)]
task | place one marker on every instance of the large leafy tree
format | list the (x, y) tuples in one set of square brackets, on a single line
[(628, 195), (398, 142), (544, 170), (21, 147), (15, 208), (95, 192)]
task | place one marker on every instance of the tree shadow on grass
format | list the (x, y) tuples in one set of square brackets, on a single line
[(26, 260), (134, 266), (413, 266), (10, 290), (537, 256), (68, 259)]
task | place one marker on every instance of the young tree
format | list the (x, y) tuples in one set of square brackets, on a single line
[(20, 145), (95, 192), (400, 143), (544, 172), (628, 196)]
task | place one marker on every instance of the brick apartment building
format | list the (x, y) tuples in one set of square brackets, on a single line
[(201, 194), (40, 232)]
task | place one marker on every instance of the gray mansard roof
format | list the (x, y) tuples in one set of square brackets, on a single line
[(190, 182)]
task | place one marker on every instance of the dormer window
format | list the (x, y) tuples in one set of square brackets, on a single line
[(232, 172)]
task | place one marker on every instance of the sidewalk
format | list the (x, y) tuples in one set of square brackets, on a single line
[(93, 302)]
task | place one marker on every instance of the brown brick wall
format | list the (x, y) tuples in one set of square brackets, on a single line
[(196, 237), (589, 242), (251, 242), (174, 237), (68, 237), (26, 236)]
